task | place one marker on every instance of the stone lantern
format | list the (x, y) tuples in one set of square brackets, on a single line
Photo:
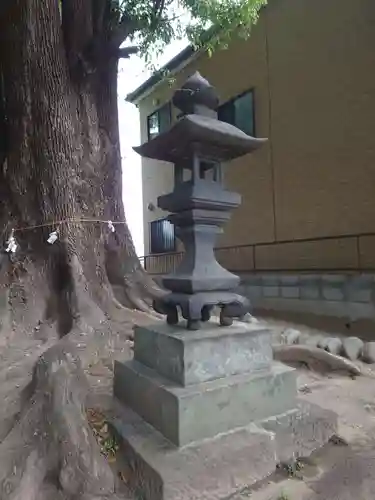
[(199, 205), (202, 414)]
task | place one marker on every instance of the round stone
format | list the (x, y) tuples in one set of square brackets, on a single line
[(352, 348), (368, 354), (322, 344), (334, 345), (290, 336)]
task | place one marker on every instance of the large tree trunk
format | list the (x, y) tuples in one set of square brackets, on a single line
[(61, 164)]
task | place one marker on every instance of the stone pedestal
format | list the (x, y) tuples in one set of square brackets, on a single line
[(206, 395), (213, 469), (195, 385)]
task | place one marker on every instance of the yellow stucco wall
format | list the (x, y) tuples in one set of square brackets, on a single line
[(312, 67)]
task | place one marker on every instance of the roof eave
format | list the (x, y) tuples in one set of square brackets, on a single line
[(175, 65)]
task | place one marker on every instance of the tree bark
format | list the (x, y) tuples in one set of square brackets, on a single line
[(60, 164), (63, 164)]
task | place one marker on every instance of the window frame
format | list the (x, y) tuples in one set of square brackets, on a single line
[(235, 98), (167, 105), (151, 250)]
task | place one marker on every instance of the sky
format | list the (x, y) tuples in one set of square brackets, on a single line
[(132, 73)]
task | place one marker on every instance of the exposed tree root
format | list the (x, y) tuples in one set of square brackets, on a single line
[(134, 288), (47, 449), (50, 452), (314, 358)]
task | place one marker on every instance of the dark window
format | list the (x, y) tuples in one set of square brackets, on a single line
[(162, 239), (159, 121), (240, 112)]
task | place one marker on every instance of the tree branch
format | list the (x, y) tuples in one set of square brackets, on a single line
[(127, 25), (126, 52), (121, 33)]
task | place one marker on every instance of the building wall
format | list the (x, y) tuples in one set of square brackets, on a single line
[(312, 66)]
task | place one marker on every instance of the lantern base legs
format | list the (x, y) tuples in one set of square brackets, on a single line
[(197, 308)]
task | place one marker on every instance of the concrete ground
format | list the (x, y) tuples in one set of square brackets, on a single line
[(340, 471)]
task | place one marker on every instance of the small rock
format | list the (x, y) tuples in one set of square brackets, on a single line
[(290, 336), (369, 352), (352, 348), (334, 345)]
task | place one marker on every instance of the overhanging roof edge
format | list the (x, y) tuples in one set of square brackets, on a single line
[(174, 65)]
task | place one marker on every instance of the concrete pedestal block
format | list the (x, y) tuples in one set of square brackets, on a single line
[(199, 411), (300, 432), (210, 469), (187, 357), (217, 468)]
